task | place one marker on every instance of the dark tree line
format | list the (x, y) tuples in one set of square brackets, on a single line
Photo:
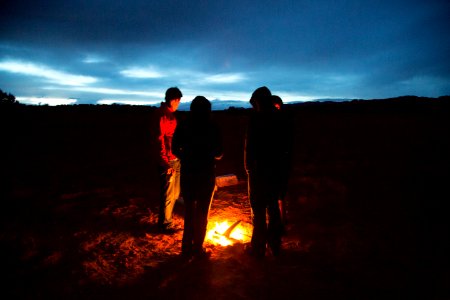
[(7, 98)]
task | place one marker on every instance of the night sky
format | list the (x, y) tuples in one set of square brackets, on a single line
[(94, 51)]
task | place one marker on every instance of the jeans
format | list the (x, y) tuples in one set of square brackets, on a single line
[(170, 192)]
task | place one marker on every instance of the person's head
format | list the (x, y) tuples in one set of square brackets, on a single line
[(173, 97), (261, 99), (259, 95), (277, 102), (200, 107)]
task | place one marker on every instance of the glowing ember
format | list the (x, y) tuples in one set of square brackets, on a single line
[(226, 233)]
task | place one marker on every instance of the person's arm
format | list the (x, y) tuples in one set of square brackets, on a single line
[(162, 142)]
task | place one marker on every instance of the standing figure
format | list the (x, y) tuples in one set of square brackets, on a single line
[(169, 163), (198, 144), (284, 175), (265, 157)]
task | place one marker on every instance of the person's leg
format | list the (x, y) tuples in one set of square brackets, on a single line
[(188, 230), (176, 179), (164, 185), (282, 203), (205, 192), (275, 227), (258, 206), (172, 194), (189, 214)]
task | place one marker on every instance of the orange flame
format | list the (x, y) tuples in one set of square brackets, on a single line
[(216, 235)]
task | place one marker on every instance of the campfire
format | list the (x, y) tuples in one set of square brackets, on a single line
[(226, 233), (229, 219)]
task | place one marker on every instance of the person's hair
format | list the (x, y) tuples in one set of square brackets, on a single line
[(261, 98), (277, 100), (200, 106), (173, 93), (258, 94)]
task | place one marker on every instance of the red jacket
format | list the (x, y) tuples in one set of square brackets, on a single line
[(167, 125)]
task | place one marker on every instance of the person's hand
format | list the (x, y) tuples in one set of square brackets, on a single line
[(170, 171)]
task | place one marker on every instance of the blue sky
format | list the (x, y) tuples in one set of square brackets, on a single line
[(61, 52)]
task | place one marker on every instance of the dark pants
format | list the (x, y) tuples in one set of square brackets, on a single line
[(263, 194), (198, 191)]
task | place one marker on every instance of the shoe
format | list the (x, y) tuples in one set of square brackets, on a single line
[(169, 229)]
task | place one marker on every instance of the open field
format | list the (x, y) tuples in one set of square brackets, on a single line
[(366, 206)]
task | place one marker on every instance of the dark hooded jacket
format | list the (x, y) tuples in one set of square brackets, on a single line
[(268, 143), (197, 142)]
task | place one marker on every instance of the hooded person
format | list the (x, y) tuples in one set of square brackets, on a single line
[(265, 159), (261, 99), (285, 174), (198, 143)]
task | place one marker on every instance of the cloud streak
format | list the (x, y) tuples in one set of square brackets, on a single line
[(137, 72), (53, 76), (46, 101), (225, 78)]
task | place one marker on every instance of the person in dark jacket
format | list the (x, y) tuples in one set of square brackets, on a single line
[(197, 142), (265, 157), (169, 164), (284, 175)]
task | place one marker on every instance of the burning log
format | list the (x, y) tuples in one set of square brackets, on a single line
[(225, 235), (230, 229)]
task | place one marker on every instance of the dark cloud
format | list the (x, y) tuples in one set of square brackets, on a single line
[(363, 49)]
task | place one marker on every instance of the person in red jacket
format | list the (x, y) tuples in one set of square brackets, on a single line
[(169, 163)]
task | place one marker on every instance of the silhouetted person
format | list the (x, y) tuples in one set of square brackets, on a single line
[(197, 142), (265, 159), (169, 163), (277, 102), (284, 174), (261, 100)]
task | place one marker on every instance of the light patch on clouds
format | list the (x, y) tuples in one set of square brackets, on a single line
[(225, 78), (93, 59), (46, 101), (149, 72), (54, 76), (186, 77), (110, 91), (128, 102), (192, 78), (292, 97)]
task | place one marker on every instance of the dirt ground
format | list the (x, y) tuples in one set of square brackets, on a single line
[(366, 209)]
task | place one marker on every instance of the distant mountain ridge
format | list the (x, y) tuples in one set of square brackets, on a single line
[(218, 104), (226, 104)]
